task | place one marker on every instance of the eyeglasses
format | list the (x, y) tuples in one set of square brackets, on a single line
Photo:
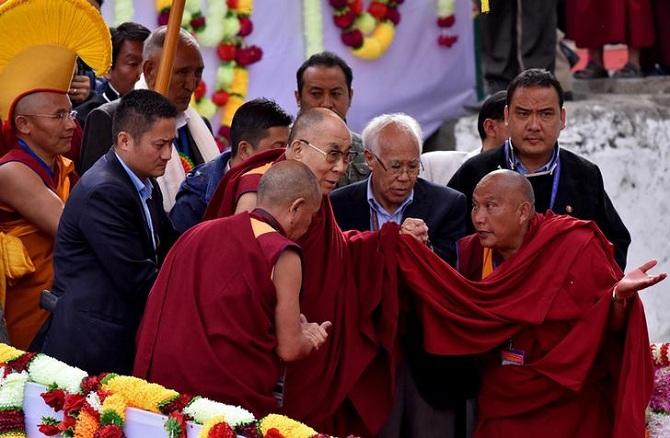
[(333, 155), (60, 116), (396, 169)]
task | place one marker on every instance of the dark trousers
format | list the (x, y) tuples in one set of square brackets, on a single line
[(517, 35)]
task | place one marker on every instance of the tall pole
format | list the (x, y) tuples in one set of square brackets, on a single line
[(170, 46)]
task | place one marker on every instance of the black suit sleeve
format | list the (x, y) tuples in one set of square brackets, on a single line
[(450, 229), (97, 138), (611, 225), (110, 224)]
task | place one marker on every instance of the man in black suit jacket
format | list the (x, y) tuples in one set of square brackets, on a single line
[(110, 240), (562, 181), (430, 399)]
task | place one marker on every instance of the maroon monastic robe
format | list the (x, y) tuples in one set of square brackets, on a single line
[(208, 327), (594, 23), (354, 281)]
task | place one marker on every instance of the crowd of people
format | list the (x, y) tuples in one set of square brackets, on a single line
[(308, 269)]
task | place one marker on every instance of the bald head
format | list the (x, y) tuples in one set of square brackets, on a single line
[(502, 207), (285, 182), (153, 45), (511, 184), (310, 121)]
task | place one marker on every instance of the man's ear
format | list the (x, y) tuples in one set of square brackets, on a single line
[(149, 70), (296, 206), (296, 93), (525, 210), (489, 128), (244, 150), (506, 112), (351, 96), (564, 118), (22, 125), (369, 158), (296, 149), (124, 141)]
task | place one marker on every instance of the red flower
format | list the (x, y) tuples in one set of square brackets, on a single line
[(109, 431), (221, 430), (54, 398), (393, 16), (73, 403), (163, 17), (21, 363), (198, 22), (447, 40), (246, 27), (248, 431), (68, 422), (232, 4), (338, 3), (446, 21), (273, 433), (356, 6), (179, 403), (377, 10), (200, 90), (345, 19), (224, 132), (48, 429), (11, 419), (353, 38), (220, 98), (226, 51), (248, 55), (89, 383)]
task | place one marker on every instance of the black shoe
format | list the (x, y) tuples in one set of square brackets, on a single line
[(570, 55), (592, 71), (628, 71)]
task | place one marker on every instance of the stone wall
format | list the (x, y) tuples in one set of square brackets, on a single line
[(628, 137)]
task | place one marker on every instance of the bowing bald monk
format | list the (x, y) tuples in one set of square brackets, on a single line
[(224, 314), (330, 390), (582, 368), (36, 69)]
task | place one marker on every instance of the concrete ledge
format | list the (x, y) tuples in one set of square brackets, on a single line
[(649, 85)]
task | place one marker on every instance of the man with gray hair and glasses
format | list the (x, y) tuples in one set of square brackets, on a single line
[(431, 390)]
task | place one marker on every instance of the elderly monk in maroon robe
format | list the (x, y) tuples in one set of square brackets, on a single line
[(224, 313), (566, 347)]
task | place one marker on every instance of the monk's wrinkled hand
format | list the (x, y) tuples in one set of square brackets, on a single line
[(636, 280), (416, 228), (315, 333)]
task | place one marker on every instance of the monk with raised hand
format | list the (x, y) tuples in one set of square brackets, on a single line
[(560, 316), (224, 313)]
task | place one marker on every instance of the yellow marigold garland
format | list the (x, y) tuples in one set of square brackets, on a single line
[(87, 425), (139, 393), (8, 353), (286, 426)]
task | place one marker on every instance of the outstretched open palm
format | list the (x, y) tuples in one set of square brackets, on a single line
[(638, 279)]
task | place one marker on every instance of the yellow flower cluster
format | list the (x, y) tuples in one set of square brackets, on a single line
[(163, 4), (377, 43), (9, 353), (244, 7), (140, 393), (240, 84), (286, 426), (209, 424), (86, 426), (234, 102), (116, 403), (14, 435)]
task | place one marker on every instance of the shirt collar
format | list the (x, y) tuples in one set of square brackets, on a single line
[(377, 206), (182, 119), (110, 93), (144, 188), (515, 162)]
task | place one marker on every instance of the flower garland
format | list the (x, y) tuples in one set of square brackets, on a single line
[(95, 406), (312, 27), (228, 25), (658, 412), (124, 10), (369, 33), (445, 20), (661, 354)]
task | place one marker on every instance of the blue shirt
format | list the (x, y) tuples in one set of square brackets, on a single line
[(378, 214), (144, 189), (516, 164)]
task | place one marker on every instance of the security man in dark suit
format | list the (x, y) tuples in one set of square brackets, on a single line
[(562, 181), (430, 397), (111, 239)]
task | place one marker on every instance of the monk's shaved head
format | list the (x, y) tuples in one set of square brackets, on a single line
[(286, 182), (510, 183), (308, 121)]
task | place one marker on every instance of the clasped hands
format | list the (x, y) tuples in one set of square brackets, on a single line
[(416, 228)]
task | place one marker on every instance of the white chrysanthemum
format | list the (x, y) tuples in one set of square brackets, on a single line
[(658, 425), (11, 390), (94, 400), (48, 371), (202, 409)]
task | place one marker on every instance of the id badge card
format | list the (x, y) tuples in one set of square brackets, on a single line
[(512, 356)]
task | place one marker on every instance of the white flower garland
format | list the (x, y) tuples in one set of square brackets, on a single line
[(202, 409), (49, 371), (213, 32), (11, 390), (123, 11)]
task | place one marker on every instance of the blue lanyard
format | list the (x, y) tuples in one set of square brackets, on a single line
[(556, 171), (40, 161)]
